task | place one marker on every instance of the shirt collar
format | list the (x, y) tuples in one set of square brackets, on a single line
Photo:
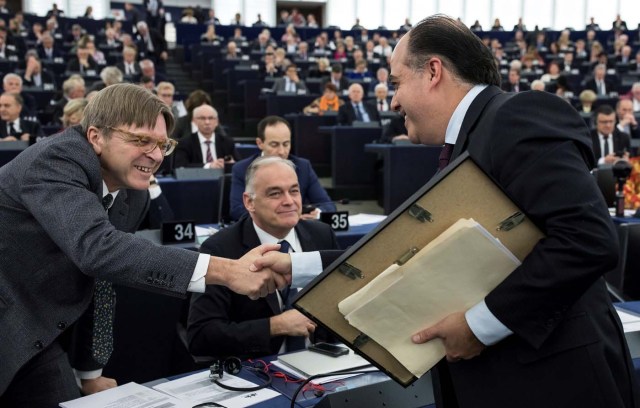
[(203, 139), (266, 238), (455, 123), (105, 191)]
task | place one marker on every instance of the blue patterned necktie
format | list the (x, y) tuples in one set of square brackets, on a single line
[(103, 309), (292, 343)]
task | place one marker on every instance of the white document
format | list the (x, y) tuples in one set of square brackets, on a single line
[(630, 321), (364, 219), (130, 395), (309, 363), (198, 388), (451, 274), (321, 380)]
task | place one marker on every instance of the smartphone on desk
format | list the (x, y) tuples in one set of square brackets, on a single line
[(329, 349)]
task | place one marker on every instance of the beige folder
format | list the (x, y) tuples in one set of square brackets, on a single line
[(462, 190)]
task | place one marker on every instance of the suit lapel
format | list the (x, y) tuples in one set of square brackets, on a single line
[(197, 151), (473, 114), (119, 210)]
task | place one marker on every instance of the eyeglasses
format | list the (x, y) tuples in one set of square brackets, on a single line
[(146, 143)]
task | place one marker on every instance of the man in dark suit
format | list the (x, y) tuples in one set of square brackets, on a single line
[(513, 83), (599, 84), (208, 147), (12, 127), (12, 83), (274, 139), (356, 109), (129, 66), (52, 211), (151, 44), (610, 144), (148, 69), (627, 122), (337, 78), (547, 335), (36, 76), (47, 50), (222, 323)]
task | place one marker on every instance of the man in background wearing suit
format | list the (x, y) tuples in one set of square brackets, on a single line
[(222, 323), (56, 239), (547, 335), (207, 148), (290, 82), (274, 139), (337, 78), (12, 127), (609, 143), (627, 122), (599, 83), (355, 109)]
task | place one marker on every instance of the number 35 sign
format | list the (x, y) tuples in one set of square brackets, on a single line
[(339, 220)]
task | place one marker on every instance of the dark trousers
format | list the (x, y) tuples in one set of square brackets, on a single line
[(45, 381)]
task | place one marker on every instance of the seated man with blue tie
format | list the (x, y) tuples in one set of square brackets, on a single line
[(609, 143), (355, 109), (222, 323)]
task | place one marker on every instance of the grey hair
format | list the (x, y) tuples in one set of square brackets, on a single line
[(262, 161)]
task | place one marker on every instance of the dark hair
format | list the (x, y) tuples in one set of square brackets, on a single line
[(270, 121), (602, 110), (460, 50), (195, 99)]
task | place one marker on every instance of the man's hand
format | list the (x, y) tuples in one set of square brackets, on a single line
[(313, 215), (276, 261), (459, 341), (291, 323), (236, 275), (216, 164), (94, 385), (8, 139)]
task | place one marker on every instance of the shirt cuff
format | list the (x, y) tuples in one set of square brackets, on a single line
[(304, 267), (486, 327), (87, 375), (198, 283)]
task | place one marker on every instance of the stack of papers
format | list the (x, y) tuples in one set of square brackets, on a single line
[(181, 393), (451, 274), (305, 363)]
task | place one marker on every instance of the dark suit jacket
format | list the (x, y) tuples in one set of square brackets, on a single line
[(74, 65), (126, 214), (621, 143), (136, 67), (57, 53), (347, 114), (26, 126), (47, 78), (189, 154), (310, 189), (566, 332), (159, 45), (61, 239), (508, 87), (344, 83), (222, 323), (591, 84)]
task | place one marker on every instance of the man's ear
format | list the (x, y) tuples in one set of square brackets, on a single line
[(96, 138), (248, 202), (259, 143)]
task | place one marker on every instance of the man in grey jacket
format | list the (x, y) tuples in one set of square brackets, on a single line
[(56, 238)]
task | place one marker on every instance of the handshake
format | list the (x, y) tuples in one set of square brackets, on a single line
[(259, 272)]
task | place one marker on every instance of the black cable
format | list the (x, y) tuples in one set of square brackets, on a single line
[(259, 373), (313, 377)]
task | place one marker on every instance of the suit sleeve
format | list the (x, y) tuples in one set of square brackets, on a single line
[(215, 325), (315, 193), (236, 206), (544, 167)]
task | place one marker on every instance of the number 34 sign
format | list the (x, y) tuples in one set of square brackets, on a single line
[(178, 232), (339, 220)]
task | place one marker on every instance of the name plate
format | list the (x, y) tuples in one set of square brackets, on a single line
[(178, 232), (338, 221)]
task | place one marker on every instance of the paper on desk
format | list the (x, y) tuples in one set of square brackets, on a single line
[(205, 231), (630, 322), (130, 395), (454, 272), (321, 380), (198, 388), (364, 219)]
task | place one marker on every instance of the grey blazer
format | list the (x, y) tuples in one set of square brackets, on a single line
[(55, 237)]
